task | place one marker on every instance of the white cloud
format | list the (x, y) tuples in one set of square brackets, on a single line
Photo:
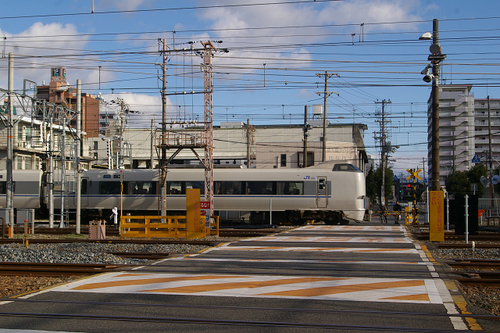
[(122, 4), (144, 108), (236, 24), (41, 47), (371, 11)]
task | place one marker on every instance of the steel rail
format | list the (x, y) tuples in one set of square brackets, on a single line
[(245, 323), (253, 308), (55, 269), (111, 241), (140, 255), (297, 272)]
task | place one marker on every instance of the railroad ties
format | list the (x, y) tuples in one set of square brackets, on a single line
[(363, 277)]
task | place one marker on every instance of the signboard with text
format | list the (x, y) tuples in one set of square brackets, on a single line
[(436, 216), (205, 208)]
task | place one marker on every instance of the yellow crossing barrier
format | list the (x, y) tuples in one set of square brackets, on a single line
[(164, 227)]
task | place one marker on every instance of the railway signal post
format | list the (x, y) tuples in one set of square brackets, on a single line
[(414, 175)]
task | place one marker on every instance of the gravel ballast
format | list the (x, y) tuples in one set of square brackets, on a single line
[(74, 253), (87, 253)]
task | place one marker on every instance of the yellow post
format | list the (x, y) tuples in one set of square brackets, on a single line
[(193, 213), (436, 216), (121, 199)]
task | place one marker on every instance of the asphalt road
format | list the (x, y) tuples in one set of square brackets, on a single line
[(357, 278)]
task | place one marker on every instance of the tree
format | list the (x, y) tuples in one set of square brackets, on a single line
[(458, 183), (496, 187), (374, 183), (475, 174), (371, 186)]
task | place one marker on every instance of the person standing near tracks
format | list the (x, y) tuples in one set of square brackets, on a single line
[(383, 214), (397, 209)]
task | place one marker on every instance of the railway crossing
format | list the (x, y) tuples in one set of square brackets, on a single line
[(361, 277)]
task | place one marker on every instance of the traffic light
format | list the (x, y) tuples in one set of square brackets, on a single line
[(306, 129), (408, 185)]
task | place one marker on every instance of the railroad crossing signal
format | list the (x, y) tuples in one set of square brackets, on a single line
[(413, 174)]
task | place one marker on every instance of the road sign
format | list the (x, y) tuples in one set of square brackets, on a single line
[(205, 208), (476, 159), (413, 174)]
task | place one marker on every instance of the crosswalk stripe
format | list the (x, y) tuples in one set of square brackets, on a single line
[(305, 287), (238, 285), (314, 249), (416, 297), (412, 263), (321, 291), (331, 239), (122, 283)]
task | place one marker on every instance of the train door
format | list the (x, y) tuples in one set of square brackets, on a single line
[(322, 192), (84, 193)]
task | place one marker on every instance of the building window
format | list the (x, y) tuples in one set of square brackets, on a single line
[(310, 159), (20, 136), (283, 160), (27, 163), (19, 163)]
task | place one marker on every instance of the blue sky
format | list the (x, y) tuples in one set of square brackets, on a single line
[(276, 48)]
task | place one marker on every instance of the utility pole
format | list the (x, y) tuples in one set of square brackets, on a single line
[(384, 147), (50, 175), (490, 156), (163, 163), (152, 148), (306, 134), (10, 148), (435, 58), (325, 94), (63, 172), (209, 48), (78, 154), (248, 144), (453, 152), (206, 141), (423, 166)]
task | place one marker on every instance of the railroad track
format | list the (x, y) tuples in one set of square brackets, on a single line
[(109, 241), (482, 236), (70, 231), (55, 269), (140, 255), (477, 271)]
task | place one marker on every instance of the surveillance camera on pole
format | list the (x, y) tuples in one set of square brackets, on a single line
[(427, 75), (428, 78)]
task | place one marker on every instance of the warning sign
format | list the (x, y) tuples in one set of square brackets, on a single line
[(205, 208)]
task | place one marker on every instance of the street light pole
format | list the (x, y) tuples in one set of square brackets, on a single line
[(435, 58)]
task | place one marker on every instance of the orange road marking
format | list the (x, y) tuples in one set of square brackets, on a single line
[(98, 285), (416, 297), (321, 291), (239, 285)]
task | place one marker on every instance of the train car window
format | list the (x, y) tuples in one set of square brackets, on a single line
[(3, 187), (140, 187), (175, 188), (290, 188), (345, 167), (229, 187), (196, 184), (322, 183), (259, 188), (110, 187)]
